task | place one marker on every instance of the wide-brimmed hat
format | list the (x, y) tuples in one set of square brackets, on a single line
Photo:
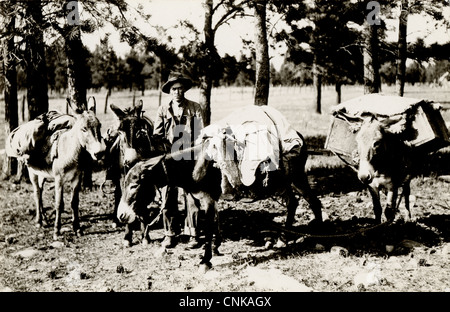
[(185, 81)]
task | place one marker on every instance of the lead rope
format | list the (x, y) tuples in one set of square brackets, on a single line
[(156, 219), (345, 161)]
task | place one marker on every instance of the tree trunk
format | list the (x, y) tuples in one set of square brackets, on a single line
[(338, 92), (160, 81), (76, 60), (36, 68), (206, 80), (317, 83), (108, 93), (401, 49), (163, 73), (76, 83), (262, 55), (205, 98), (371, 63), (10, 91), (75, 63)]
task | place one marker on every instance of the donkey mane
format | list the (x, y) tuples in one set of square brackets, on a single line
[(129, 110)]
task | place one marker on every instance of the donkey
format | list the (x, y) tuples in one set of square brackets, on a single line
[(259, 156), (387, 162), (60, 156), (134, 134), (173, 169), (132, 141), (205, 181)]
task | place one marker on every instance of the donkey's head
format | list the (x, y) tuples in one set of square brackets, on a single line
[(219, 146), (374, 140), (135, 133), (139, 189), (88, 130)]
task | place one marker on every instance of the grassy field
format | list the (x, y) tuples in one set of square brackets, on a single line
[(296, 103)]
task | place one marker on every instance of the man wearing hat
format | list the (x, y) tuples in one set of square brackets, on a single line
[(180, 122)]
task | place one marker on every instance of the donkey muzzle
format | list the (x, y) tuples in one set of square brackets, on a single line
[(365, 172), (130, 157), (125, 213)]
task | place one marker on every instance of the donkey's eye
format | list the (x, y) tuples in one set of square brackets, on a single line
[(84, 129), (376, 144), (134, 186)]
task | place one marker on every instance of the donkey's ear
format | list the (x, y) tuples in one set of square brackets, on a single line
[(355, 126), (368, 116), (152, 162), (92, 104), (119, 113), (73, 110), (77, 110), (68, 105), (394, 125), (138, 108)]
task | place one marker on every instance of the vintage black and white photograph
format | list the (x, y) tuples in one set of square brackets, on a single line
[(225, 146)]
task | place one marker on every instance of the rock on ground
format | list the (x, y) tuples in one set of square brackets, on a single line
[(274, 280)]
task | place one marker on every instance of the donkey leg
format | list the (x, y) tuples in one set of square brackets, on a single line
[(41, 181), (391, 206), (59, 207), (217, 233), (75, 203), (294, 163), (377, 209), (209, 224), (301, 185), (406, 194), (291, 203), (117, 195), (37, 194), (128, 236)]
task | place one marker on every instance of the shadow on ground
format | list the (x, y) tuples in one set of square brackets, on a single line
[(359, 236)]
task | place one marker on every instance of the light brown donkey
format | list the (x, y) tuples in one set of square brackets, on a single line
[(60, 154)]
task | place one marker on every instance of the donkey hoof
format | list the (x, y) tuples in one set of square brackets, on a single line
[(79, 233), (389, 214), (204, 267), (57, 236), (145, 242), (408, 218), (126, 243)]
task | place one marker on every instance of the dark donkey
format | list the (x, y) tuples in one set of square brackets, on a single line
[(386, 162), (60, 154), (132, 141), (176, 170)]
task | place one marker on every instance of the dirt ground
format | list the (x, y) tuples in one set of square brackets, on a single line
[(348, 253)]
